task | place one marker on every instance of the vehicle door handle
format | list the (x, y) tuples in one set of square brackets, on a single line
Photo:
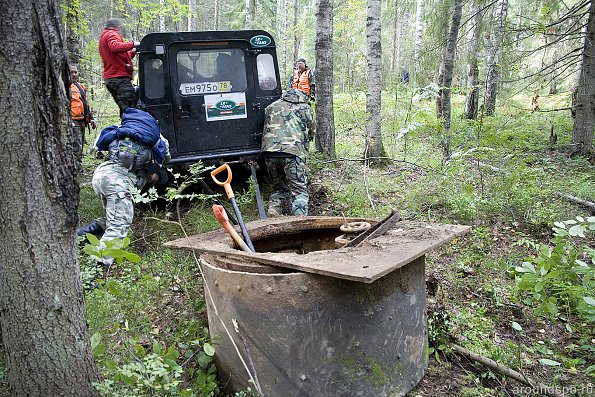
[(256, 106)]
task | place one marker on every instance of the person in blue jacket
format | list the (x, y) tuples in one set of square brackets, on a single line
[(136, 154)]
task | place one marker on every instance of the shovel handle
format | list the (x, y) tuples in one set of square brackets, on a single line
[(221, 216), (227, 183)]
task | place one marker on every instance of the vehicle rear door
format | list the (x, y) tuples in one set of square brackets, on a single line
[(212, 97)]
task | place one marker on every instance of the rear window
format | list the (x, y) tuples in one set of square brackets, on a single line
[(267, 79), (202, 72), (154, 82)]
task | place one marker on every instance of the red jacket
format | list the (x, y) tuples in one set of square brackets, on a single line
[(116, 54)]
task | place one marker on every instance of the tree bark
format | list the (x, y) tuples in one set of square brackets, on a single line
[(584, 104), (192, 15), (161, 16), (443, 101), (472, 101), (248, 15), (325, 121), (493, 57), (295, 31), (72, 26), (374, 147), (41, 299), (419, 30)]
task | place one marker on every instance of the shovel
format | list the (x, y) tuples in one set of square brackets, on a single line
[(223, 220), (227, 186)]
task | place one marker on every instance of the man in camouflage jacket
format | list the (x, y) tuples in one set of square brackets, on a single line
[(288, 129)]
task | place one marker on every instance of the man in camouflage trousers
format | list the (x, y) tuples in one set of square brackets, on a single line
[(288, 129), (136, 153)]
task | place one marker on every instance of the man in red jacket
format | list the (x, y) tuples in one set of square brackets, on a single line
[(117, 57)]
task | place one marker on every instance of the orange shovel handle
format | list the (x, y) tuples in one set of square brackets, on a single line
[(223, 220), (227, 183)]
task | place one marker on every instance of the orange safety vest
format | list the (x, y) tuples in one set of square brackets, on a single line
[(302, 82), (77, 109)]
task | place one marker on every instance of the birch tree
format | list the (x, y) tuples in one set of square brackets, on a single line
[(472, 100), (192, 15), (493, 57), (374, 148), (443, 100), (584, 104), (419, 29), (247, 14), (325, 121), (44, 330)]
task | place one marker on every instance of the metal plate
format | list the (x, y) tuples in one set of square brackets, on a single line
[(372, 260)]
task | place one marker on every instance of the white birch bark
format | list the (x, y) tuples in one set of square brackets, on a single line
[(374, 146), (419, 30), (191, 15), (493, 57)]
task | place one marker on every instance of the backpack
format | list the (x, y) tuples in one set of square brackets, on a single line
[(130, 154)]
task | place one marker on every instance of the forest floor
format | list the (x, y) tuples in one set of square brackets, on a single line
[(504, 179)]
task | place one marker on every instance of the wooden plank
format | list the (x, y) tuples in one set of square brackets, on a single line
[(401, 245)]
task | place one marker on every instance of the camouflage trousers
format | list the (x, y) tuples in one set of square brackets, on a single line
[(78, 126), (290, 182), (112, 183), (122, 91)]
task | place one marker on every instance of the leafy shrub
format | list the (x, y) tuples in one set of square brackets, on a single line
[(562, 273)]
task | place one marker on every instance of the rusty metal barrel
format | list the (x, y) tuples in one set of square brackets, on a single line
[(300, 333)]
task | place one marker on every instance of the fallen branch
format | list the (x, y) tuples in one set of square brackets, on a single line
[(577, 200), (488, 362)]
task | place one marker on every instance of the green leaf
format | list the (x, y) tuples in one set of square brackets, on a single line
[(546, 361), (560, 225), (93, 239), (203, 359), (577, 230), (157, 347), (589, 300), (172, 353), (208, 349), (114, 287), (95, 339), (140, 350), (516, 326)]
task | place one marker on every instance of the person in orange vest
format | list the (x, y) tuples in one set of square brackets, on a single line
[(303, 78), (80, 112)]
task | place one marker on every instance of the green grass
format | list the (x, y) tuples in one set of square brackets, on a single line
[(503, 178)]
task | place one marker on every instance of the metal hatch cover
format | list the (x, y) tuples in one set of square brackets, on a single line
[(314, 237)]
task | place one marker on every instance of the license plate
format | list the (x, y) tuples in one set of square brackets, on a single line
[(205, 88)]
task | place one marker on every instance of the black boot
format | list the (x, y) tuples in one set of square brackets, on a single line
[(96, 228)]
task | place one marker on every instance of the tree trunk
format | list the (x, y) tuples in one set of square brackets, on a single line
[(444, 94), (72, 26), (325, 121), (493, 57), (216, 18), (374, 146), (192, 15), (295, 33), (577, 73), (396, 36), (248, 15), (472, 101), (41, 299), (161, 16), (584, 120), (419, 30)]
